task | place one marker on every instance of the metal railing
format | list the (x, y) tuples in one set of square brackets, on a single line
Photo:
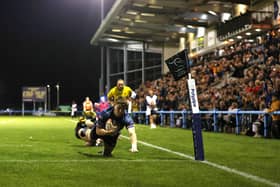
[(170, 115)]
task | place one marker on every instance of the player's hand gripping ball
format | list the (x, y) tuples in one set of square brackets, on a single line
[(111, 127)]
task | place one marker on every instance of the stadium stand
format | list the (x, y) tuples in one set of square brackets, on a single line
[(245, 73)]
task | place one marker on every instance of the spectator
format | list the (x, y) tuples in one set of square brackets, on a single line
[(221, 117), (88, 112), (275, 126), (102, 105), (87, 105), (73, 109), (231, 118), (258, 125), (151, 110)]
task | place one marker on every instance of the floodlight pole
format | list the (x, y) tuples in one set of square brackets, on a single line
[(49, 96), (46, 100), (57, 96), (101, 83)]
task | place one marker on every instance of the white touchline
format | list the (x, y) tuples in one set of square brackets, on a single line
[(231, 170), (225, 168)]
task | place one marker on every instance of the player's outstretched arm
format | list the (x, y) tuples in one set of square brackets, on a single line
[(104, 132)]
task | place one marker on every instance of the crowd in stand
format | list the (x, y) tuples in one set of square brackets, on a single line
[(242, 75)]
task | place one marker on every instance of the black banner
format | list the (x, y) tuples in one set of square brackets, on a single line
[(178, 64)]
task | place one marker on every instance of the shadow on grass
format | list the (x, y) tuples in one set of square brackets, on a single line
[(98, 155), (76, 145), (165, 159), (82, 145)]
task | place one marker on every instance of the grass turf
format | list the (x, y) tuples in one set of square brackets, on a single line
[(43, 151)]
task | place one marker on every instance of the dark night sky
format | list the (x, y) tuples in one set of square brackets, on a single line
[(47, 42)]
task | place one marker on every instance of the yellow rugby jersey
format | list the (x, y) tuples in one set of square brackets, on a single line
[(115, 94)]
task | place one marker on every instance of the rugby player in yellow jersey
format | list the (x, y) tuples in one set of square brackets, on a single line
[(120, 91)]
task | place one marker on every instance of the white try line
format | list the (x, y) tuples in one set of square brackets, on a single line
[(75, 121), (15, 145), (6, 121), (88, 161), (225, 168)]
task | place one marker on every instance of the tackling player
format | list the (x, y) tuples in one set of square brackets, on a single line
[(83, 130)]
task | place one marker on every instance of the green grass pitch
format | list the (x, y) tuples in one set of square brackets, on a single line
[(43, 151)]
